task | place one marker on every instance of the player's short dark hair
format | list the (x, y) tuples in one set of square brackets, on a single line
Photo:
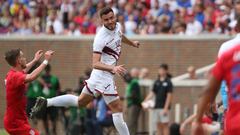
[(105, 11), (11, 56)]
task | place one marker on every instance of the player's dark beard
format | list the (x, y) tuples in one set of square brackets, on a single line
[(23, 66), (110, 27)]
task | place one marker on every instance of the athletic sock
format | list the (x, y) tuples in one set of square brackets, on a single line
[(119, 123), (63, 101)]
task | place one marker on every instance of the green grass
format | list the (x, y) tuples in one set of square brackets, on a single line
[(3, 132)]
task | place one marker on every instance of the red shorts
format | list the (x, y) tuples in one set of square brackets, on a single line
[(19, 127)]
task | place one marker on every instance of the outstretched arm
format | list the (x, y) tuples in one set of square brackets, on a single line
[(208, 96), (97, 64), (32, 76), (129, 42)]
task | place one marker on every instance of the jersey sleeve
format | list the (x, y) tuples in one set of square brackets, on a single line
[(170, 87), (217, 71), (222, 49), (19, 78), (98, 44)]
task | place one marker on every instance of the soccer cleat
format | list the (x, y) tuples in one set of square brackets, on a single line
[(39, 107)]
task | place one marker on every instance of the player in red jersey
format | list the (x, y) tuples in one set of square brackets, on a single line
[(226, 68), (15, 118)]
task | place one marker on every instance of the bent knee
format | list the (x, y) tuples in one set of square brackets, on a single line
[(84, 100), (120, 108), (81, 102), (116, 108)]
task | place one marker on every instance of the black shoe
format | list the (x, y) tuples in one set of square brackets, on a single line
[(39, 107)]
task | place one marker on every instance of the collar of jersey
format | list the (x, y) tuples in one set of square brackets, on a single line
[(13, 70)]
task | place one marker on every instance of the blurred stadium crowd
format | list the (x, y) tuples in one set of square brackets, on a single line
[(77, 17)]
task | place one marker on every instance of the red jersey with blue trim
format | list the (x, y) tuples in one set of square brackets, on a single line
[(228, 68)]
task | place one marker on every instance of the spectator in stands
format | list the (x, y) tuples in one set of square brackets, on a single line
[(162, 90), (163, 24), (173, 6), (87, 26), (194, 27), (179, 28), (198, 11), (5, 21), (73, 30), (54, 24), (184, 3), (237, 8), (34, 22), (66, 10), (210, 28), (155, 9), (120, 19), (50, 30), (79, 17), (16, 7), (169, 14), (148, 17), (24, 29)]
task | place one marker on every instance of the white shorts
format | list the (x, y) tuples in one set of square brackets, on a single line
[(102, 85), (158, 116), (93, 91)]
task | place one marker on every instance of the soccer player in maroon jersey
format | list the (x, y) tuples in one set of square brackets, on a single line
[(15, 118), (226, 68)]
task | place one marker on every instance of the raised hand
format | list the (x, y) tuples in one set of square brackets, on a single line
[(48, 54), (136, 44), (38, 55), (120, 70)]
